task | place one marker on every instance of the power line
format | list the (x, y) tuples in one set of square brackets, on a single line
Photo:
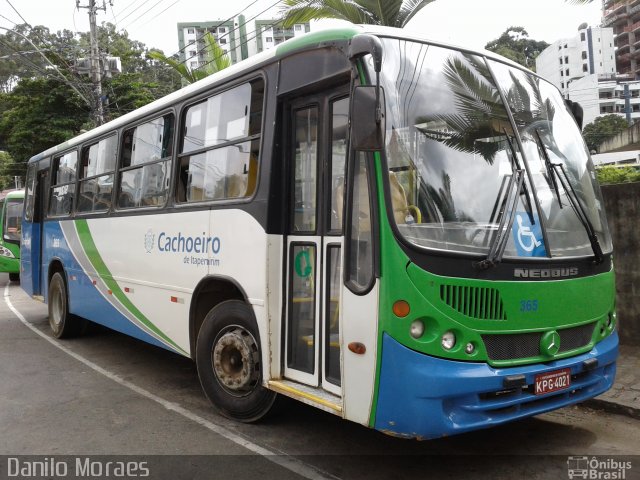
[(67, 81), (126, 8), (143, 14), (134, 10), (14, 9), (248, 38), (156, 16), (220, 24), (44, 42)]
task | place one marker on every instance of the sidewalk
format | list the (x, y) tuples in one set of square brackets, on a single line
[(624, 396)]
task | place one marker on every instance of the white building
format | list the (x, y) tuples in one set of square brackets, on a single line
[(604, 94), (590, 52)]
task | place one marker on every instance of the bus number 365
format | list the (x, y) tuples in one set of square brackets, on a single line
[(528, 305)]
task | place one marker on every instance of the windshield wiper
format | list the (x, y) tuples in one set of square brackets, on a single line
[(574, 200), (549, 167), (514, 189)]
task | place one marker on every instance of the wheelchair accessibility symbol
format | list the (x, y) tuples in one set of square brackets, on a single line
[(527, 236)]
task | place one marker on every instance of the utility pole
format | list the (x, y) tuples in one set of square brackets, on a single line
[(96, 72)]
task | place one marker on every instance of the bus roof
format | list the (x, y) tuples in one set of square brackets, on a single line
[(289, 47), (9, 194)]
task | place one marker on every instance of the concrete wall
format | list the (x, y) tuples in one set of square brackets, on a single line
[(622, 203), (627, 140)]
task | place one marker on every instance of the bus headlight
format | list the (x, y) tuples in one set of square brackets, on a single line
[(448, 341), (5, 252), (417, 329)]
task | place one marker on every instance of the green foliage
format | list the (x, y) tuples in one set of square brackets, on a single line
[(602, 129), (38, 106), (7, 171), (516, 45), (39, 114), (391, 13), (609, 174)]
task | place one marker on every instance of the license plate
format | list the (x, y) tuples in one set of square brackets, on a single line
[(553, 381)]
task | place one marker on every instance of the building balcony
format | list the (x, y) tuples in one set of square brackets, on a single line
[(622, 59), (614, 19), (623, 48), (616, 9), (633, 27), (620, 31), (633, 10)]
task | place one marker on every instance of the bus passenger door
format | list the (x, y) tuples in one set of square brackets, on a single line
[(31, 245), (317, 152)]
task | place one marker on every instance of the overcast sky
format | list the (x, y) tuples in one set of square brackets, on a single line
[(470, 23)]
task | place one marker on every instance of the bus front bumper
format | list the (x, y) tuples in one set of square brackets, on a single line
[(423, 397), (9, 265)]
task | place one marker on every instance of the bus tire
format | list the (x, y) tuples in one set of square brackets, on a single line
[(229, 361), (14, 277), (62, 323)]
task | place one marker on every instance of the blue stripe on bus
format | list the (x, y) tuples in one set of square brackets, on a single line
[(84, 298), (426, 397)]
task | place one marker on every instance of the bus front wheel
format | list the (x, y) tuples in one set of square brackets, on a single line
[(62, 323), (229, 361), (14, 277)]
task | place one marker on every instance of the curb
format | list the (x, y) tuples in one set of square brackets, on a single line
[(612, 407)]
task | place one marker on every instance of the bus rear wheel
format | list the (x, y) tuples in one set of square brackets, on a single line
[(14, 277), (229, 361), (62, 323)]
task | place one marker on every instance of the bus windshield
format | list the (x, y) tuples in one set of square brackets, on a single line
[(464, 163), (13, 219)]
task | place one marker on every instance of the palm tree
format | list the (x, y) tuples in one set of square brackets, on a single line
[(216, 59), (391, 13)]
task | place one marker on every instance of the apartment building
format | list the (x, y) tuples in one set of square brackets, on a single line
[(623, 16), (590, 52), (237, 37)]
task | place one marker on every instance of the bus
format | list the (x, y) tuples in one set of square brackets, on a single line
[(403, 233), (10, 227)]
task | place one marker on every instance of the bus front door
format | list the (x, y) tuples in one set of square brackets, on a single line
[(317, 152)]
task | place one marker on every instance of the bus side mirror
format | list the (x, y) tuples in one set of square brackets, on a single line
[(367, 118), (576, 111), (364, 44)]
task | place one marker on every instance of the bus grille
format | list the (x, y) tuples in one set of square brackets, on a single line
[(474, 302), (527, 345)]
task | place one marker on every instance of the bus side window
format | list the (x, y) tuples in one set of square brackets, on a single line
[(145, 163), (220, 150), (96, 183), (360, 238), (63, 184), (29, 194)]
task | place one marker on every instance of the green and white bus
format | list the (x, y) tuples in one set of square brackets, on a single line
[(10, 229), (406, 234)]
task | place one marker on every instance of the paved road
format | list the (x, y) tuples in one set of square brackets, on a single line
[(107, 394)]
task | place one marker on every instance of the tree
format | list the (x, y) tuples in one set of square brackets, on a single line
[(7, 171), (516, 45), (215, 59), (391, 13), (602, 129), (610, 174), (38, 114)]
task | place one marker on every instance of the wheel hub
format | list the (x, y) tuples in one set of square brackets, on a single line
[(56, 307), (235, 357)]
